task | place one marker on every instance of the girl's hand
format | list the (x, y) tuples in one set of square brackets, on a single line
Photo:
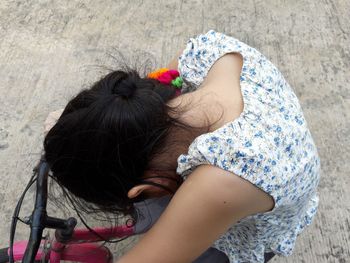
[(52, 119)]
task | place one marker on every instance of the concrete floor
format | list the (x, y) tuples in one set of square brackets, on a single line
[(49, 50)]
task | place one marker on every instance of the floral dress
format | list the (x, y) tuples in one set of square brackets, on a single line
[(269, 145)]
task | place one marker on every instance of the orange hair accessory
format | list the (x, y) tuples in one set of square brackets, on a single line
[(157, 73), (167, 76)]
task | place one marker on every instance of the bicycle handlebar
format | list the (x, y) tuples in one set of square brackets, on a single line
[(39, 220), (39, 214)]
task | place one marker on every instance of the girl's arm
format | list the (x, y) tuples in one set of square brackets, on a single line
[(209, 202)]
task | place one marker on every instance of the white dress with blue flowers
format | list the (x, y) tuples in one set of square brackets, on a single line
[(269, 145)]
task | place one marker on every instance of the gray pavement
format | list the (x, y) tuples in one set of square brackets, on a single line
[(49, 50)]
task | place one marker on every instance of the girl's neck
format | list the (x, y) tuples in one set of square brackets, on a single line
[(195, 110), (190, 112)]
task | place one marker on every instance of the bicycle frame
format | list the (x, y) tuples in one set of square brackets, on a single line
[(82, 247)]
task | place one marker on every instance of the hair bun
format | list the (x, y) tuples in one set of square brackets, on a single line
[(125, 88)]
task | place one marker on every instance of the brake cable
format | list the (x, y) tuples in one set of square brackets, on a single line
[(16, 213)]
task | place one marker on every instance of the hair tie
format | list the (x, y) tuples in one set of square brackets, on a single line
[(155, 74), (169, 77), (177, 82)]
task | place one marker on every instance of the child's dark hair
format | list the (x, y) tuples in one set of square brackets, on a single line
[(106, 136)]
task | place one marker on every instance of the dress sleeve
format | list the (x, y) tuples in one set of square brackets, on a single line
[(202, 51)]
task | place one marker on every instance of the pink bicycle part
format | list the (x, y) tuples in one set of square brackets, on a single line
[(77, 248)]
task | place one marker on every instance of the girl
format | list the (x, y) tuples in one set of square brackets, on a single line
[(233, 149)]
